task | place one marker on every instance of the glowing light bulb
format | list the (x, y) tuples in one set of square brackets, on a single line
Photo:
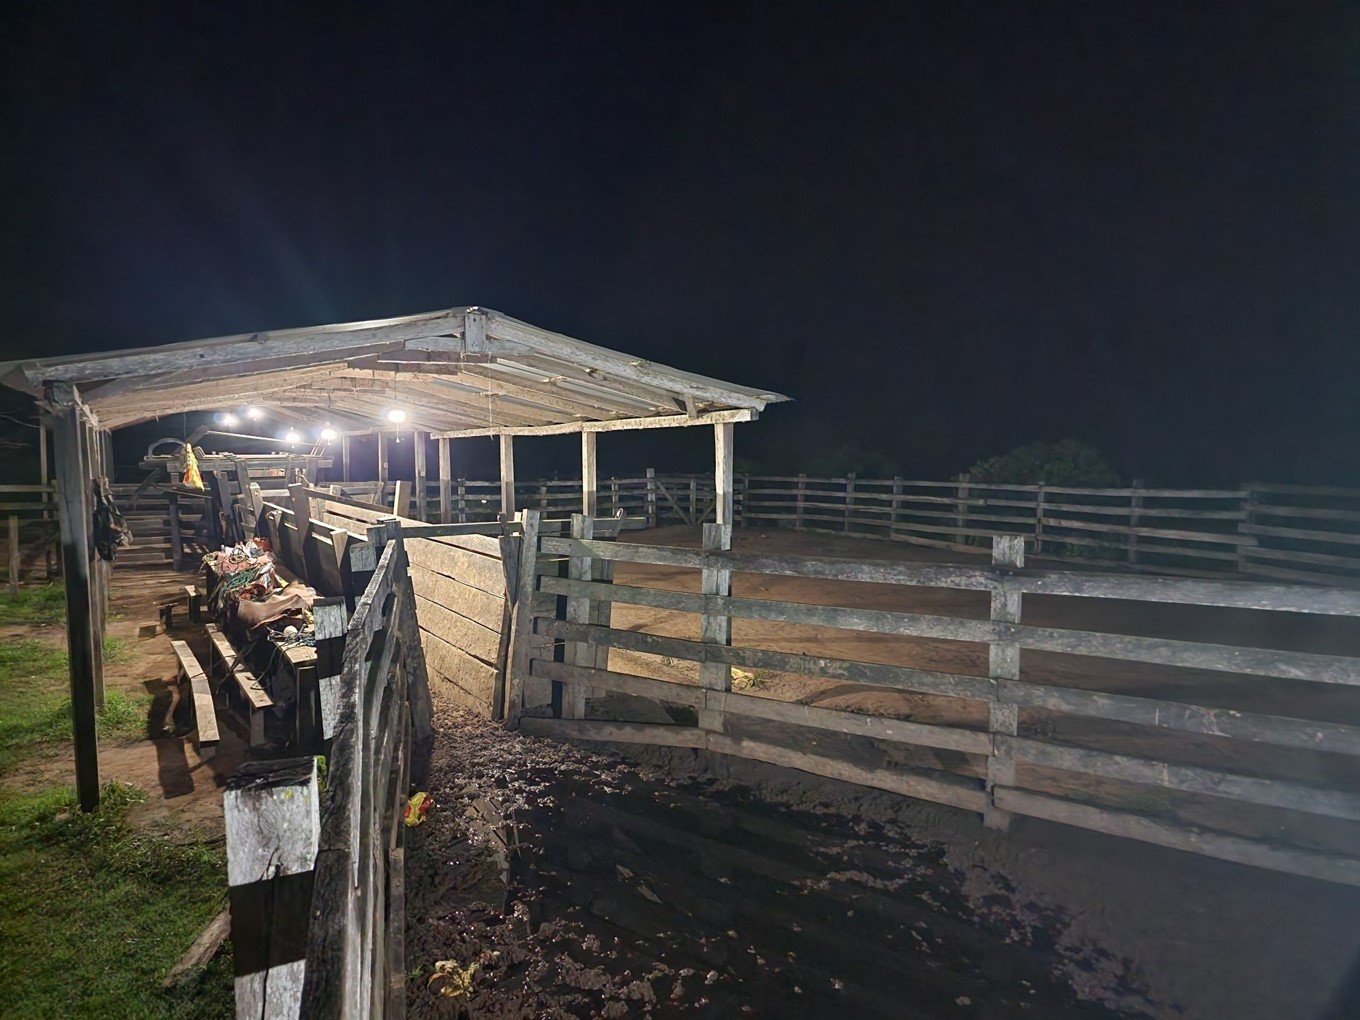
[(328, 434), (230, 421), (396, 416), (292, 437), (254, 413)]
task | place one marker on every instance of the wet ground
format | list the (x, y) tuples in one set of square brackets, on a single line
[(583, 886)]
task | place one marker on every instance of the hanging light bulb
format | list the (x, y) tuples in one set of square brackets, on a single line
[(328, 434), (292, 436), (396, 416), (254, 413), (230, 420)]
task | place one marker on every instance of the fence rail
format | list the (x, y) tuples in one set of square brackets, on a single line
[(1293, 533), (1191, 762)]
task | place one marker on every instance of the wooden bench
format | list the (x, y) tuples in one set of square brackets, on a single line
[(200, 699), (253, 695)]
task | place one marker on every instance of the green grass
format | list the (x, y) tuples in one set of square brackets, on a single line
[(35, 603), (95, 913)]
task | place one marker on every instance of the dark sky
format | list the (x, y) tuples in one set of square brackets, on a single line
[(945, 228)]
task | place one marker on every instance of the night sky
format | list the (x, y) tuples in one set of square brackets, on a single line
[(945, 229)]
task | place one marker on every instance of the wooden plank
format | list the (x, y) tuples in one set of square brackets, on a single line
[(465, 600), (445, 483), (522, 635), (620, 732), (954, 791), (1003, 666), (474, 677), (663, 421), (865, 620), (1332, 669), (1187, 778), (1308, 735), (1303, 534), (418, 440), (507, 450), (871, 674), (589, 475), (715, 625), (457, 630), (200, 696), (1228, 594), (723, 438), (1311, 864), (578, 610)]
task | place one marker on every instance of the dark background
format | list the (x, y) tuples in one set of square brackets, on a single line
[(945, 229)]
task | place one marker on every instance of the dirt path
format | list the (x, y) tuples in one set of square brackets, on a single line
[(625, 892)]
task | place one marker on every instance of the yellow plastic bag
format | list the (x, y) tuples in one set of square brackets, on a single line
[(191, 476)]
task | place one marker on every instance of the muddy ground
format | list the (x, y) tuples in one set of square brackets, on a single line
[(584, 884)]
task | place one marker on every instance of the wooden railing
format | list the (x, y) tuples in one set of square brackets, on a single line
[(31, 531), (1191, 744), (1295, 533)]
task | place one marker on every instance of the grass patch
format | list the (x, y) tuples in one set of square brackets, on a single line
[(97, 912), (35, 603)]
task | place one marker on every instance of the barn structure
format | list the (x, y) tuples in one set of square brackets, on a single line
[(453, 374)]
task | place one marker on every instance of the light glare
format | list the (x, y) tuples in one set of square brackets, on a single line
[(254, 413), (328, 434), (396, 416), (292, 436)]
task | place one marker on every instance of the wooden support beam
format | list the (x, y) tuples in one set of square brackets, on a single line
[(382, 457), (445, 483), (661, 421), (507, 475), (13, 555), (589, 475), (419, 438), (344, 456), (401, 498), (578, 653), (74, 516), (722, 473), (715, 628)]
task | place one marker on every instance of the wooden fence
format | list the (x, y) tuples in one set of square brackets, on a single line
[(31, 531), (1294, 533), (318, 920), (1185, 743)]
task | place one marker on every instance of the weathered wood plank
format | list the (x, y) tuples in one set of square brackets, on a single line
[(459, 631), (1328, 867), (870, 674), (621, 732), (200, 696), (1305, 734), (462, 599)]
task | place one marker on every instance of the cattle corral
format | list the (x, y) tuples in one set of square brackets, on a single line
[(866, 703)]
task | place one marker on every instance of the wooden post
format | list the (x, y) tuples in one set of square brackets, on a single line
[(589, 475), (301, 505), (651, 497), (176, 540), (445, 483), (715, 627), (722, 473), (520, 689), (849, 498), (382, 464), (1248, 515), (331, 617), (802, 498), (1135, 504), (578, 653), (1039, 520), (401, 498), (13, 554), (99, 575), (74, 517), (961, 510), (507, 475), (1008, 551), (542, 496), (896, 505), (462, 501), (273, 825), (613, 497), (345, 441), (420, 439), (43, 476), (693, 499)]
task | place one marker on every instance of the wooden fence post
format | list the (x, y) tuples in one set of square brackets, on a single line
[(518, 683), (462, 501), (419, 438), (1003, 655), (849, 498), (401, 498), (382, 465), (578, 653), (961, 510), (176, 540), (1135, 502), (715, 625), (651, 497), (344, 457), (1039, 520), (798, 509), (613, 496), (896, 504), (694, 499), (273, 823), (13, 554), (1248, 519), (445, 483), (331, 618), (590, 485)]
